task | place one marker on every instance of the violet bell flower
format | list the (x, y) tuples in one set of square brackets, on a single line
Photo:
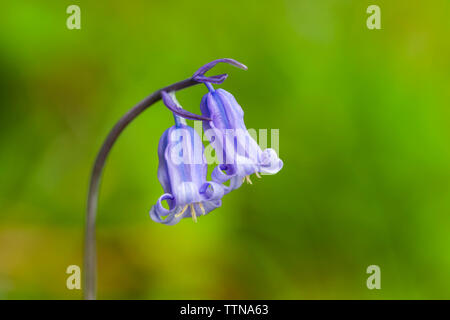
[(182, 173), (238, 153)]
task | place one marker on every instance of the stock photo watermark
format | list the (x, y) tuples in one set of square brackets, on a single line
[(74, 279), (74, 20), (374, 280), (374, 20), (238, 146)]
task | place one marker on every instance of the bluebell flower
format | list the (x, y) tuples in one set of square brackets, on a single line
[(238, 153), (182, 173)]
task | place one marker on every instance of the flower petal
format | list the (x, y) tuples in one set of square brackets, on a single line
[(157, 212), (172, 106), (219, 176), (218, 79), (270, 163), (163, 174), (212, 191), (202, 70), (211, 205)]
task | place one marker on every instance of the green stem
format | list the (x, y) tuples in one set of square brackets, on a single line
[(90, 255)]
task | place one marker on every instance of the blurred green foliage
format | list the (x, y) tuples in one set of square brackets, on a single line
[(364, 125)]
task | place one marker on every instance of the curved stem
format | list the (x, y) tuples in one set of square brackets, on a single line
[(90, 258)]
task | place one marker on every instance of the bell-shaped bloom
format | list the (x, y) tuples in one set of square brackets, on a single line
[(238, 153), (223, 122), (182, 173)]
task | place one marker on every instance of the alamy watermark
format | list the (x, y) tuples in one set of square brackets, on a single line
[(374, 280), (374, 20), (235, 145), (74, 280), (74, 20)]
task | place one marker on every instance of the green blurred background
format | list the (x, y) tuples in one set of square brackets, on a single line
[(364, 125)]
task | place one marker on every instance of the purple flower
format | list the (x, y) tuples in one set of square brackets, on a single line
[(182, 173), (238, 153), (199, 75)]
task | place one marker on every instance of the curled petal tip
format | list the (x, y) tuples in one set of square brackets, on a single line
[(172, 106), (202, 70), (233, 62), (237, 64)]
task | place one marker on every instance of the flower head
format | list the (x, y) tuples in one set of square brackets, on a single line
[(182, 173), (238, 153), (182, 165)]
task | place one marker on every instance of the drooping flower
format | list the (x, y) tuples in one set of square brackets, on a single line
[(238, 153), (182, 173)]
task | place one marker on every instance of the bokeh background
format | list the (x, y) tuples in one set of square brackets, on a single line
[(364, 125)]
